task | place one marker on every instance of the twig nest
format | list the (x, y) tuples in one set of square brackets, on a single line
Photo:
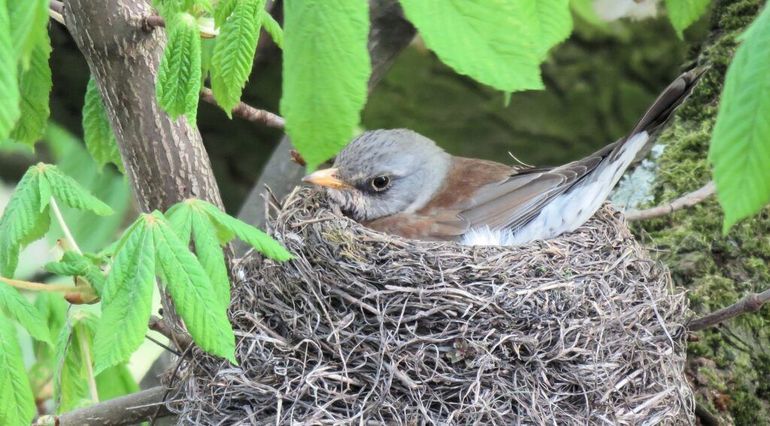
[(369, 328)]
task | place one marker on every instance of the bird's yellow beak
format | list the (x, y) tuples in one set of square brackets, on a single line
[(327, 178)]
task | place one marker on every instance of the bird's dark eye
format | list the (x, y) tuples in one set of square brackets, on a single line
[(380, 183)]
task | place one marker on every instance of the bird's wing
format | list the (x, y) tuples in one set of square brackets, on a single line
[(513, 202)]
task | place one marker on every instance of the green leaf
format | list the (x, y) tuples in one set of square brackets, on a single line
[(29, 19), (24, 220), (211, 256), (326, 67), (586, 11), (191, 291), (72, 159), (262, 242), (9, 85), (207, 53), (16, 307), (71, 375), (126, 300), (179, 216), (78, 265), (234, 52), (740, 143), (683, 13), (493, 42), (17, 405), (97, 133), (114, 382), (223, 10), (69, 192), (179, 78), (554, 21), (273, 28), (35, 86), (53, 308)]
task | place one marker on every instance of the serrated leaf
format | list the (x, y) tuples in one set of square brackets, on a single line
[(126, 301), (326, 67), (71, 375), (72, 159), (207, 52), (16, 307), (53, 309), (28, 26), (17, 405), (211, 256), (554, 21), (247, 233), (223, 10), (234, 52), (9, 85), (114, 382), (178, 83), (740, 143), (78, 265), (179, 216), (683, 13), (35, 86), (192, 292), (492, 42), (24, 220), (97, 132), (273, 28), (69, 192)]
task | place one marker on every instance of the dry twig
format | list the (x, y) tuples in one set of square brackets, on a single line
[(688, 200), (751, 303), (248, 112)]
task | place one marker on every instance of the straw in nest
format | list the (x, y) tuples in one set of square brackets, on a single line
[(368, 328)]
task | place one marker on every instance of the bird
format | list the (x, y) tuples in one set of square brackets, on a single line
[(399, 182)]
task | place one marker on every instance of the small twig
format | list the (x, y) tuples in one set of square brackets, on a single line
[(151, 22), (161, 344), (248, 112), (86, 351), (751, 303), (56, 11), (687, 200), (73, 245), (182, 341), (55, 288)]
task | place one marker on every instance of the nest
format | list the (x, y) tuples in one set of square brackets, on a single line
[(368, 328)]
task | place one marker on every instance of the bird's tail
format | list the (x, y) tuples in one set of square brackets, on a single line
[(660, 110)]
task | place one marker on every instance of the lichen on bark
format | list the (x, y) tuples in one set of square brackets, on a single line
[(730, 364)]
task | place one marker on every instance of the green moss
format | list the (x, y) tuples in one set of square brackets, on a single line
[(716, 269)]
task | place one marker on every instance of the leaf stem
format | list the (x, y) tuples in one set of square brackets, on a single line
[(67, 233), (28, 285), (86, 350)]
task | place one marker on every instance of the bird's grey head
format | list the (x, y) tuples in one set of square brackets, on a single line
[(384, 172)]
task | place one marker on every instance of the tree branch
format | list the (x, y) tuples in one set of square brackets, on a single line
[(687, 200), (751, 303), (181, 340), (124, 410), (248, 112)]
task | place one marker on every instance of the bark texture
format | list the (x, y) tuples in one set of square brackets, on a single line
[(164, 158)]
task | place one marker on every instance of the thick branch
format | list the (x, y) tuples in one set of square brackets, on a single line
[(390, 33), (687, 200), (751, 303), (125, 410), (165, 159)]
